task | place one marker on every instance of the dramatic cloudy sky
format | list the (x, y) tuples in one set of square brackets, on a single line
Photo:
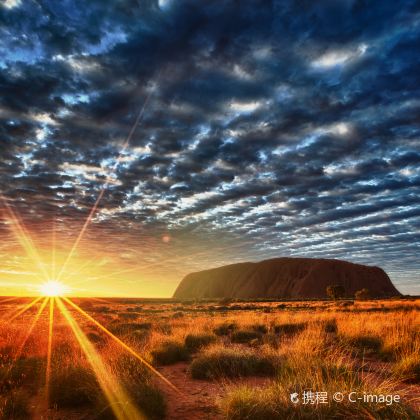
[(266, 128)]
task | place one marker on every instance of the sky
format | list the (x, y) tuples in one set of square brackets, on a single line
[(213, 132)]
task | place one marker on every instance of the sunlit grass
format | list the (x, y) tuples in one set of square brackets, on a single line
[(320, 344)]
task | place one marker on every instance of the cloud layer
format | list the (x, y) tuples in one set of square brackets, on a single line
[(268, 128)]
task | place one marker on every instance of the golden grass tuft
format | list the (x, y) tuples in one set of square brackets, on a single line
[(230, 362), (170, 352), (74, 386), (195, 342)]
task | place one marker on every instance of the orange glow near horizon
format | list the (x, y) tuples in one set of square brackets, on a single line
[(50, 262), (94, 271), (59, 267), (80, 258)]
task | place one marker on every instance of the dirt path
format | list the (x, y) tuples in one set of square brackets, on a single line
[(199, 398)]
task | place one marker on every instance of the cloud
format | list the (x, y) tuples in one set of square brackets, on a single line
[(10, 4), (340, 57), (287, 130)]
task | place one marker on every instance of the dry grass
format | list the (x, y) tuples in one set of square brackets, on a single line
[(170, 352), (366, 346), (230, 362), (73, 386), (195, 342), (272, 403), (245, 336), (137, 380), (15, 406)]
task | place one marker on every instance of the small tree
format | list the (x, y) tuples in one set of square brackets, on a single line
[(225, 301), (362, 294), (335, 291)]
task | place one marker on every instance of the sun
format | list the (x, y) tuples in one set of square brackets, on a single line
[(53, 288)]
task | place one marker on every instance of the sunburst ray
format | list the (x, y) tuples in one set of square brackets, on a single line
[(105, 186), (31, 328), (24, 309), (23, 237), (49, 350), (118, 399), (19, 351), (122, 344)]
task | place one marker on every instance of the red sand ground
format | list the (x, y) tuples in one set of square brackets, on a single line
[(198, 401)]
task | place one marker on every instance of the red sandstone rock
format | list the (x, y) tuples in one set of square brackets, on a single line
[(285, 278)]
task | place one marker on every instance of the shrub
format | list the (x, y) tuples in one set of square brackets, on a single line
[(245, 336), (225, 328), (335, 291), (362, 294), (140, 335), (330, 326), (23, 371), (15, 406), (272, 340), (63, 350), (123, 328), (103, 309), (74, 386), (136, 379), (164, 328), (86, 305), (128, 315), (250, 404), (225, 301), (366, 343), (95, 338), (137, 308), (289, 328), (6, 354), (148, 397), (194, 342), (170, 352), (144, 326), (232, 362), (261, 328)]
